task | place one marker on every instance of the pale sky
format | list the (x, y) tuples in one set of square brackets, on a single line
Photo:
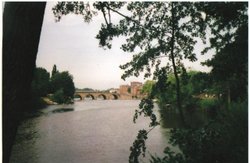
[(72, 46)]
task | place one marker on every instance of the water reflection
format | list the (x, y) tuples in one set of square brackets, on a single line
[(194, 118), (62, 110)]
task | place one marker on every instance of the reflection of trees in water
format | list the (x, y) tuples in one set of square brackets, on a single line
[(171, 119)]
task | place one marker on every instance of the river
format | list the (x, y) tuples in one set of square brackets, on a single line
[(95, 131)]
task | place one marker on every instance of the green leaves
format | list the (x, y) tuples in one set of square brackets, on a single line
[(170, 157), (146, 108), (139, 147), (40, 82), (223, 19), (81, 8), (62, 86)]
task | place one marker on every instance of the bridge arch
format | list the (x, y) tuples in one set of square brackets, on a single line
[(104, 97), (98, 94), (76, 96), (90, 96), (114, 96)]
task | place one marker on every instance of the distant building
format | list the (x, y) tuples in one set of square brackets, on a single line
[(136, 88), (124, 89), (132, 91)]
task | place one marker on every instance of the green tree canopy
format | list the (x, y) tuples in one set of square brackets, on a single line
[(64, 81), (54, 71), (40, 82), (148, 86)]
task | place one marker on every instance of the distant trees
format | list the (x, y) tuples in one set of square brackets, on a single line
[(41, 82), (87, 89), (60, 84), (193, 83), (54, 71), (148, 86), (39, 88)]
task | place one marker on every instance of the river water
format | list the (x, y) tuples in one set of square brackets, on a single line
[(98, 131)]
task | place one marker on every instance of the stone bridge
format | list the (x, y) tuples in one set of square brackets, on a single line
[(97, 94)]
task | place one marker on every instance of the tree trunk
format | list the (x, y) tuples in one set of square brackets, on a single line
[(22, 24), (228, 94), (178, 92)]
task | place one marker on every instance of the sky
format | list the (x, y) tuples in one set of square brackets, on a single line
[(71, 45)]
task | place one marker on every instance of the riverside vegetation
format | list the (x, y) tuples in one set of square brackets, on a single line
[(58, 88)]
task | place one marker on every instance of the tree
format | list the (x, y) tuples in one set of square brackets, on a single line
[(228, 22), (40, 82), (157, 29), (63, 81), (199, 82), (22, 24), (230, 66), (54, 71), (148, 87), (59, 96)]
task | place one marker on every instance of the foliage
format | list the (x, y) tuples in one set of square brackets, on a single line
[(224, 19), (40, 82), (139, 147), (39, 88), (229, 27), (87, 89), (54, 71), (170, 157), (222, 140), (200, 82), (59, 96), (192, 83), (146, 107), (230, 65), (208, 103), (148, 86), (62, 83)]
